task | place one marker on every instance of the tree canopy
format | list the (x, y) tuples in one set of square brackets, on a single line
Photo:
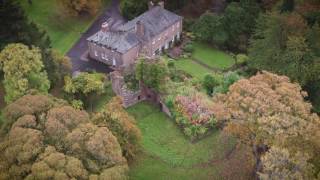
[(16, 28), (23, 70), (47, 139), (267, 110)]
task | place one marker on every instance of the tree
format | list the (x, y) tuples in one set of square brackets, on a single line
[(56, 65), (268, 110), (152, 74), (23, 70), (290, 49), (210, 82), (132, 8), (279, 164), (122, 125), (16, 28), (81, 7), (48, 139), (85, 86), (209, 27)]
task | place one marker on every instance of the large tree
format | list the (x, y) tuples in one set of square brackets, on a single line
[(122, 125), (85, 86), (268, 110), (23, 70), (47, 139), (285, 44), (15, 27)]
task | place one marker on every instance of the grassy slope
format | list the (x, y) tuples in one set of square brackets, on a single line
[(166, 151), (212, 57), (192, 68), (63, 31)]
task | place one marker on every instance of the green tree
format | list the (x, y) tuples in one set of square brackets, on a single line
[(209, 27), (152, 74), (85, 86), (56, 65), (16, 28), (210, 82), (23, 70), (132, 8), (290, 48)]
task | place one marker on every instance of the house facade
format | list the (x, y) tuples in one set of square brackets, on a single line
[(149, 35)]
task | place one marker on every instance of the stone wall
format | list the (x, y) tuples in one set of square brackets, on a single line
[(129, 97)]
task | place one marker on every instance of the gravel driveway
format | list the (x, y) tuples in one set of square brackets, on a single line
[(112, 14)]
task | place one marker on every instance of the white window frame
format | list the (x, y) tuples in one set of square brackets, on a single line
[(95, 53)]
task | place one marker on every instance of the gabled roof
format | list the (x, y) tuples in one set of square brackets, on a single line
[(155, 21), (115, 40)]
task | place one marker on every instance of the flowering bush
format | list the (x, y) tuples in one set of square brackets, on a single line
[(193, 111)]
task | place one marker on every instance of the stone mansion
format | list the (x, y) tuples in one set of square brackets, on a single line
[(148, 35)]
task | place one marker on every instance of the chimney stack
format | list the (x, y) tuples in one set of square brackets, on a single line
[(150, 5), (105, 27), (161, 4), (139, 29)]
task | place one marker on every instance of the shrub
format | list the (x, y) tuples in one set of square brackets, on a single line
[(188, 48), (241, 59)]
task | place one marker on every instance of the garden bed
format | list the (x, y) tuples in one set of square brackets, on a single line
[(192, 111)]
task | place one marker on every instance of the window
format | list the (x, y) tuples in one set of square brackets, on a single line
[(159, 38), (102, 56), (95, 53), (153, 42)]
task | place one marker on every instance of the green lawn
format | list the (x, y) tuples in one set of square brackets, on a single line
[(167, 153), (63, 31), (212, 57), (192, 68), (103, 99)]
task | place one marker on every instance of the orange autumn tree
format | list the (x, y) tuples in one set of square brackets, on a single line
[(268, 110)]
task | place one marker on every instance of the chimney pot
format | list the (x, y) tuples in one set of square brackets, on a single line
[(161, 4), (140, 29), (150, 5), (105, 27)]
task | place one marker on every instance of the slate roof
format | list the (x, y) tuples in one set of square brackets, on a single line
[(155, 21)]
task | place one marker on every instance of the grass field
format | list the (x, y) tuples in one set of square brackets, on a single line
[(167, 153), (62, 30), (192, 68), (212, 57)]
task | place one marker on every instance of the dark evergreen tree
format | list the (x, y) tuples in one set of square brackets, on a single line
[(15, 27)]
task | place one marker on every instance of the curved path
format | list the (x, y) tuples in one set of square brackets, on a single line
[(77, 52)]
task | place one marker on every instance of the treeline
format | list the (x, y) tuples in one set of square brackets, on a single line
[(283, 39)]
